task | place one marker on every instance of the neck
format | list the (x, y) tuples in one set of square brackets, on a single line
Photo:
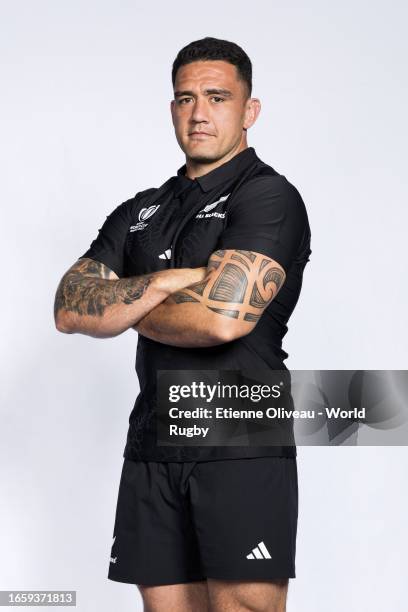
[(195, 169)]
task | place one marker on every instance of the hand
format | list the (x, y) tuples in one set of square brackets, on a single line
[(172, 280), (177, 278)]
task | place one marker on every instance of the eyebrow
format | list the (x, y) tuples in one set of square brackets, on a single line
[(224, 92)]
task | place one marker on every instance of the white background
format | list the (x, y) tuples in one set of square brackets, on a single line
[(85, 124)]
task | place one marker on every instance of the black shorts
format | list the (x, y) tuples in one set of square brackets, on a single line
[(233, 519)]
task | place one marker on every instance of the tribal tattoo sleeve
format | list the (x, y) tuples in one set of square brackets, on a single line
[(89, 286), (239, 285)]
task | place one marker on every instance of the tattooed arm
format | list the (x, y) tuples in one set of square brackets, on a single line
[(224, 306), (92, 300)]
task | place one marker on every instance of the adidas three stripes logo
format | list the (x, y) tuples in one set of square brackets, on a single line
[(259, 552)]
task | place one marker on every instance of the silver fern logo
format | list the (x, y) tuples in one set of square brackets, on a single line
[(210, 207), (203, 213)]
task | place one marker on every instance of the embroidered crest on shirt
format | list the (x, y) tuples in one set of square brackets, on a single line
[(205, 213), (144, 214)]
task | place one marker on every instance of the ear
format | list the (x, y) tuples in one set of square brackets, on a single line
[(252, 110), (172, 105)]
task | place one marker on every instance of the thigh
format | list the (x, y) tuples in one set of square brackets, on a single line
[(245, 516), (191, 597), (154, 541), (260, 596)]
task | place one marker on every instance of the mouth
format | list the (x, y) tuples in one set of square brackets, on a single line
[(199, 135)]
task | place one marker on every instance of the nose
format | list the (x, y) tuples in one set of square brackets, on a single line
[(200, 110)]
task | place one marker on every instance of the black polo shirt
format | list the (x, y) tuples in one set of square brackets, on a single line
[(243, 204)]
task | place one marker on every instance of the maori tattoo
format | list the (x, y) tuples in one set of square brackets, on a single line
[(239, 285), (251, 256), (179, 297), (213, 264), (229, 313), (256, 300), (274, 275), (251, 317), (89, 287), (241, 260), (230, 285), (199, 287)]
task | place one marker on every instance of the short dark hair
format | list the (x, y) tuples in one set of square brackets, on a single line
[(209, 48)]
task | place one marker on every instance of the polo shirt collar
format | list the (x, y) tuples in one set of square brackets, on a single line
[(215, 177)]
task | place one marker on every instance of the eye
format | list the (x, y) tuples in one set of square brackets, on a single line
[(181, 100), (218, 98)]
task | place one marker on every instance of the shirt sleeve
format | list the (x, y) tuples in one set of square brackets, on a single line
[(267, 216), (109, 245)]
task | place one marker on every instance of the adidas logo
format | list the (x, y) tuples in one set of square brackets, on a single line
[(113, 559), (259, 552), (166, 254)]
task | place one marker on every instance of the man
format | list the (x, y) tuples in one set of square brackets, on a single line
[(207, 269)]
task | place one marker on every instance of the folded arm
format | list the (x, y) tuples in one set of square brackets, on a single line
[(92, 300), (225, 305)]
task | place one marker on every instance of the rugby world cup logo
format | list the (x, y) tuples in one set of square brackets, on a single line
[(146, 213)]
